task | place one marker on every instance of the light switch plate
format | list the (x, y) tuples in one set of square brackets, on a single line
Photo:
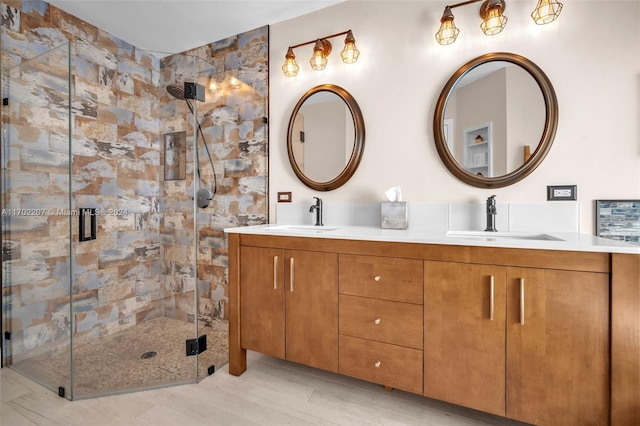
[(562, 192), (284, 197)]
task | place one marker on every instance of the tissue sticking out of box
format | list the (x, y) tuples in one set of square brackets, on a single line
[(394, 212), (394, 194)]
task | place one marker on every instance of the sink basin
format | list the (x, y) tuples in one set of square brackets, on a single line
[(501, 236), (304, 228)]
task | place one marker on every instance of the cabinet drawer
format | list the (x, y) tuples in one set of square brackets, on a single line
[(381, 277), (382, 363), (398, 323)]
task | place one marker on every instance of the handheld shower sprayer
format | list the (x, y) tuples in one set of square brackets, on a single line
[(203, 195)]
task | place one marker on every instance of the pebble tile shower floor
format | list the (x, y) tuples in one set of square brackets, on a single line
[(115, 363)]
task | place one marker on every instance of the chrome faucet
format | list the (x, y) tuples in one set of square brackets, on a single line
[(491, 214), (317, 207)]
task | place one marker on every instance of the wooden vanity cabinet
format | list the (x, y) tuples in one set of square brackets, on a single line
[(289, 305), (381, 319), (262, 300), (526, 343), (575, 360), (558, 362), (464, 334)]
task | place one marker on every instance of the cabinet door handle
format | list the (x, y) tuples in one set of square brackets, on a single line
[(291, 274), (275, 272), (377, 277), (521, 301), (377, 364), (377, 321), (492, 298)]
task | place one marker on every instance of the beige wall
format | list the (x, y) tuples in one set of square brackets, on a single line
[(401, 72)]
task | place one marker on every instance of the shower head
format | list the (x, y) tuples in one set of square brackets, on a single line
[(176, 91)]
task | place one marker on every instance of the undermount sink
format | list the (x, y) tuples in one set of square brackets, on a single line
[(304, 228), (501, 236)]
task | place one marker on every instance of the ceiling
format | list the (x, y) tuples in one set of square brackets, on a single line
[(173, 26)]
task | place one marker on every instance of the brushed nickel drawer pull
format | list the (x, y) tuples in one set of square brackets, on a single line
[(377, 277), (275, 272), (377, 321), (492, 300), (377, 364), (291, 274), (521, 301)]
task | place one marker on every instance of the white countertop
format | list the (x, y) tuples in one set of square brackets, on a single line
[(566, 241)]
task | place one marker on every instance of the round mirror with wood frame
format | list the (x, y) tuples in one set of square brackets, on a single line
[(338, 131), (529, 163)]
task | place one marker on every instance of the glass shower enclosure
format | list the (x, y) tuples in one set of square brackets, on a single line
[(103, 169)]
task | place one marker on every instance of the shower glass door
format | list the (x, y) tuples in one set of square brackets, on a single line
[(36, 219), (114, 259), (190, 201), (212, 120), (135, 282)]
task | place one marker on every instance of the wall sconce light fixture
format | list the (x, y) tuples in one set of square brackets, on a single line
[(322, 49), (493, 18), (546, 11)]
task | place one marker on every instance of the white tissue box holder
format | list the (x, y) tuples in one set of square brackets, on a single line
[(395, 215)]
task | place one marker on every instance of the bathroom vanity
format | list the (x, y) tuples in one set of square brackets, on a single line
[(538, 328)]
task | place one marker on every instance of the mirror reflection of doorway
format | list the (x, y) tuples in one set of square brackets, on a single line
[(447, 125), (298, 140)]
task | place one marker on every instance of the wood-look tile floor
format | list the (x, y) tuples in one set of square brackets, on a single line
[(270, 392)]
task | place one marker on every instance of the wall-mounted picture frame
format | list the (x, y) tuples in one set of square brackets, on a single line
[(618, 220)]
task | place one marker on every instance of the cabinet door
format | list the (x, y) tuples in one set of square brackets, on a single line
[(464, 335), (311, 291), (558, 347), (262, 300)]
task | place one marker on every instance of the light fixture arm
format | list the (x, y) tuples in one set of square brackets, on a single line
[(483, 9), (464, 3), (324, 38)]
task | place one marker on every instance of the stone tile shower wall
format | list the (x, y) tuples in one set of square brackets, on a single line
[(140, 266), (115, 167), (232, 121), (35, 243)]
